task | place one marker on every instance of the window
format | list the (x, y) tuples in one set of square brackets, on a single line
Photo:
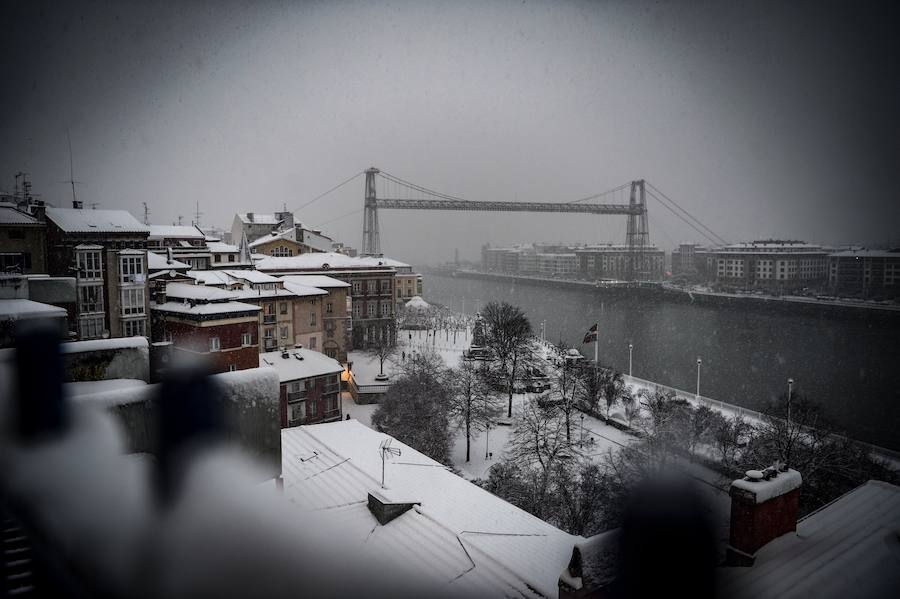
[(386, 286), (132, 301), (331, 352), (312, 343), (385, 308), (231, 257), (372, 286), (357, 309), (134, 328), (295, 387), (232, 368), (246, 339), (131, 269), (312, 409), (90, 298), (282, 307), (214, 344), (284, 332), (217, 258), (88, 263), (357, 287), (90, 327), (312, 319), (282, 251), (371, 307), (329, 308)]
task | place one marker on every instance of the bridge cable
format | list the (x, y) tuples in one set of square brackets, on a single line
[(425, 190), (657, 190), (689, 223), (322, 195), (601, 194), (358, 210)]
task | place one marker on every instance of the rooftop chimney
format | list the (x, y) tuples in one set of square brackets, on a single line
[(386, 510), (250, 216), (77, 204), (764, 506)]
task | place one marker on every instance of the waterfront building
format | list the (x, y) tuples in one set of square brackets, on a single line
[(611, 261), (864, 273), (107, 252), (309, 385), (185, 244), (562, 265), (22, 240), (771, 264), (694, 261)]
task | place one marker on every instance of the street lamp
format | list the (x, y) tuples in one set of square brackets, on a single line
[(582, 431), (630, 347), (698, 378), (487, 439), (790, 391)]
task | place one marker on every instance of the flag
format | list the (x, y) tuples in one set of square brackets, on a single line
[(591, 335)]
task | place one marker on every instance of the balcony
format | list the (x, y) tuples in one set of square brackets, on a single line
[(269, 318), (297, 395), (270, 344)]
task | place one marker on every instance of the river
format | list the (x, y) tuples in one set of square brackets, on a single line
[(851, 366)]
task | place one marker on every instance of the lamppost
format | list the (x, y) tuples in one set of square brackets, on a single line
[(582, 431), (487, 440), (630, 347), (698, 378), (790, 391)]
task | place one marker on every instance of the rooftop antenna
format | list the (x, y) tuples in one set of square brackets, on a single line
[(146, 214), (197, 215), (72, 180), (386, 450), (180, 219)]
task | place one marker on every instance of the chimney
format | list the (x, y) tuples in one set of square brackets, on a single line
[(386, 510), (764, 506), (77, 204), (250, 216), (39, 211), (169, 255)]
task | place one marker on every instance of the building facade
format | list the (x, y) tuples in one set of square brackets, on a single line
[(771, 264), (336, 310), (106, 251), (614, 262), (185, 244), (865, 273), (22, 241), (310, 386)]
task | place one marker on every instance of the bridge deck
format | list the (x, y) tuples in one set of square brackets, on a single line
[(510, 206)]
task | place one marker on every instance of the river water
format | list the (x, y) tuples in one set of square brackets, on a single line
[(851, 366)]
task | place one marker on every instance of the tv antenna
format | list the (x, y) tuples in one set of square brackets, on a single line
[(72, 180), (197, 215), (385, 449)]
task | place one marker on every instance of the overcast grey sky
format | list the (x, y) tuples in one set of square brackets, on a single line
[(762, 119)]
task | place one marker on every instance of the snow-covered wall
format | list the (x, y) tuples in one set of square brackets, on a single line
[(103, 359)]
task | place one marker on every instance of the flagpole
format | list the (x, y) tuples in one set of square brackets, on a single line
[(596, 347)]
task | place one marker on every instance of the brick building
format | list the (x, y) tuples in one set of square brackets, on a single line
[(106, 251), (694, 261), (204, 322), (310, 385), (865, 273), (613, 262)]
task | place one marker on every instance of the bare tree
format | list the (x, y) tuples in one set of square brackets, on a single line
[(383, 347), (666, 425), (472, 405), (567, 389), (507, 333), (416, 408)]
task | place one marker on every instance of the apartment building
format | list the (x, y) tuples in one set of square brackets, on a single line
[(612, 261), (865, 273), (771, 264), (106, 251), (185, 244), (22, 240), (310, 385)]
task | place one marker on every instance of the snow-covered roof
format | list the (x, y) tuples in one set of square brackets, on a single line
[(251, 276), (320, 281), (197, 292), (160, 262), (9, 215), (211, 277), (294, 368), (764, 490), (463, 536), (417, 303), (104, 344), (176, 231), (258, 219), (287, 234), (321, 260), (849, 548), (205, 309), (16, 309), (72, 220), (219, 247), (303, 290), (867, 254)]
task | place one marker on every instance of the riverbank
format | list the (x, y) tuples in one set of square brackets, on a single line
[(785, 303)]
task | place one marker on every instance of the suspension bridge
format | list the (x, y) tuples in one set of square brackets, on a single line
[(399, 194)]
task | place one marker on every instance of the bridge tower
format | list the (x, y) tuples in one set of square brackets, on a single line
[(638, 233), (371, 244)]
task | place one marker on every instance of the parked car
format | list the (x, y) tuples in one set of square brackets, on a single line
[(478, 353)]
